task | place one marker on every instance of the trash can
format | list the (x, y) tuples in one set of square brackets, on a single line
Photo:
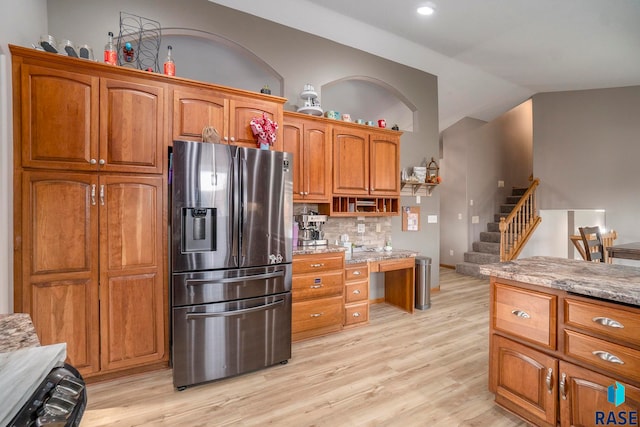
[(423, 282)]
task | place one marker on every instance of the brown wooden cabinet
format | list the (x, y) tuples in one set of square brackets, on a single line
[(89, 210), (317, 294), (309, 140), (95, 278), (356, 295), (79, 121), (553, 355), (366, 171), (230, 113)]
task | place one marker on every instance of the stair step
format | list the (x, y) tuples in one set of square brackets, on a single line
[(506, 208), (493, 226), (518, 191), (490, 236), (470, 269), (487, 247), (496, 217), (513, 199), (481, 258)]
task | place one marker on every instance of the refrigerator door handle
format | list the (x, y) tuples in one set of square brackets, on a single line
[(236, 279), (196, 316), (233, 217), (243, 203)]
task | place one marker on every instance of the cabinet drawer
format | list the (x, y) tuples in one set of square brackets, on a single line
[(356, 313), (323, 262), (357, 272), (615, 323), (606, 355), (306, 286), (357, 291), (316, 314), (526, 314)]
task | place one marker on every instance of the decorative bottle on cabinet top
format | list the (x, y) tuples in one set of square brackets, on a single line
[(110, 54), (169, 65)]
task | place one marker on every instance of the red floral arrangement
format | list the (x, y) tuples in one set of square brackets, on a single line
[(265, 129)]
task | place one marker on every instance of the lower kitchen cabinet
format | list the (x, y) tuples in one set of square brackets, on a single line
[(554, 356), (356, 295), (317, 294), (91, 267)]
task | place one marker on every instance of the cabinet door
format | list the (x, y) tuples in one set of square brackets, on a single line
[(350, 161), (293, 131), (194, 110), (384, 165), (132, 120), (133, 306), (59, 119), (317, 163), (524, 380), (583, 399), (60, 262), (242, 110)]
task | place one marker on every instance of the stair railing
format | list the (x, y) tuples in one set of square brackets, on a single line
[(516, 228)]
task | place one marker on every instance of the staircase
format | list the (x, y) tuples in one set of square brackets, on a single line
[(487, 250)]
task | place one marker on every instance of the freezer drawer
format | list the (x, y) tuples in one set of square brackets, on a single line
[(214, 341), (225, 285)]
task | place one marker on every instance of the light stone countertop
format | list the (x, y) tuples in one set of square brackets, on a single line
[(17, 332), (619, 283), (358, 256)]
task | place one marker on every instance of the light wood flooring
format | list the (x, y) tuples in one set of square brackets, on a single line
[(425, 369)]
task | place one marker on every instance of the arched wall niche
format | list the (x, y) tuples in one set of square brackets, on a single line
[(368, 98), (208, 57)]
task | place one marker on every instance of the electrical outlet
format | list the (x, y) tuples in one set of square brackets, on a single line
[(360, 228), (451, 252), (378, 228), (475, 219), (418, 200), (471, 202), (459, 216), (500, 183)]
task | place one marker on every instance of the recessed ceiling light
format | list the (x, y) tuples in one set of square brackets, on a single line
[(426, 10)]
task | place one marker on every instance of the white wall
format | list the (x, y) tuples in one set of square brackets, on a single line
[(21, 23)]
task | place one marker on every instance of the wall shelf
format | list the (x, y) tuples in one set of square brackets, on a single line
[(411, 188)]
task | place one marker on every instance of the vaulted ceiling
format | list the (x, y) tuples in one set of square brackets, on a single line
[(489, 55)]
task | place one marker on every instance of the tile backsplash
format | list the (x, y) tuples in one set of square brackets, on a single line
[(336, 226)]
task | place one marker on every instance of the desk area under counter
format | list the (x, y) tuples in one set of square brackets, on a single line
[(317, 294)]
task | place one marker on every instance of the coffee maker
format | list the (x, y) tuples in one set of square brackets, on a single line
[(310, 229)]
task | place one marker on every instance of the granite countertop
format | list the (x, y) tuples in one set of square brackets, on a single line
[(17, 332), (358, 256), (619, 283)]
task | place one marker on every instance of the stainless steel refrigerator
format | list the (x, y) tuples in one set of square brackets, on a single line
[(231, 253)]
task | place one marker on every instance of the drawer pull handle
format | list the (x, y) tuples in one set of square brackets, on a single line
[(548, 380), (356, 314), (563, 387), (315, 286), (356, 292), (317, 314), (320, 264), (605, 321), (357, 273), (608, 357), (520, 313)]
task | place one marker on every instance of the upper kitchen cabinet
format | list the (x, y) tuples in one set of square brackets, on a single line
[(366, 177), (76, 119), (132, 133), (309, 140), (229, 112)]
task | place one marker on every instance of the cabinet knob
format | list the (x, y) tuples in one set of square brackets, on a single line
[(357, 273), (563, 387), (608, 357), (315, 286), (93, 161), (520, 313), (102, 162), (320, 264), (548, 380), (605, 321), (317, 314), (233, 139), (356, 314), (226, 138), (356, 292)]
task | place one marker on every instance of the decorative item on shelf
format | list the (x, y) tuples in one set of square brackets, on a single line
[(142, 35), (433, 175), (265, 130), (265, 89), (335, 115), (346, 117), (420, 173), (311, 103), (210, 134), (382, 123), (395, 127), (360, 121)]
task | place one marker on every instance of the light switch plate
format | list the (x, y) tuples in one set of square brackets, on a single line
[(475, 219), (432, 219), (500, 183), (360, 228)]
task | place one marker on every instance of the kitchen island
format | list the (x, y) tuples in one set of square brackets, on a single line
[(563, 337)]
